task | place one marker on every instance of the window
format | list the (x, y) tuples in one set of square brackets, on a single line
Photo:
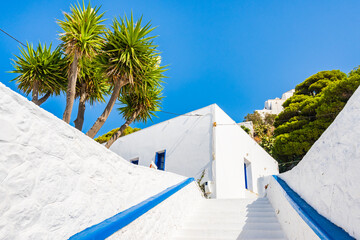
[(135, 161), (160, 160)]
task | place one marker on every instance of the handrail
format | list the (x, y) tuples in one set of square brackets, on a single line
[(322, 227), (115, 223)]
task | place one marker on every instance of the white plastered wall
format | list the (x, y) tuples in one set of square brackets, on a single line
[(173, 211), (328, 177), (55, 181), (293, 225), (187, 140), (232, 146)]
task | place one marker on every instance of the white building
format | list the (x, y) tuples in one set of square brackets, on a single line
[(206, 140), (56, 181), (274, 106)]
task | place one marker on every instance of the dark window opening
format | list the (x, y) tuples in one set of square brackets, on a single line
[(135, 161)]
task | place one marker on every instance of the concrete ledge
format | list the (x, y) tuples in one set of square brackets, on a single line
[(113, 224), (297, 218)]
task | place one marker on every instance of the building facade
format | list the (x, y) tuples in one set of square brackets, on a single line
[(205, 142), (274, 106)]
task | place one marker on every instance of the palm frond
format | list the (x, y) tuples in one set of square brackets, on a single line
[(82, 30), (128, 50), (97, 86), (43, 65), (145, 102)]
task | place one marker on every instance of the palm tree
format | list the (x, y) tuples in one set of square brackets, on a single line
[(128, 52), (81, 37), (91, 87), (41, 72), (137, 106)]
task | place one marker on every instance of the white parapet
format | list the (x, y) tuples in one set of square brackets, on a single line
[(56, 181), (164, 219), (327, 178), (291, 222)]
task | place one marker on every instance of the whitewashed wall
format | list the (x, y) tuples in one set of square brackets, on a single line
[(190, 147), (293, 225), (233, 145), (328, 177), (186, 139), (55, 181), (165, 219)]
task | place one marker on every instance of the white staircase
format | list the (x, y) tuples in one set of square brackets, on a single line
[(231, 219)]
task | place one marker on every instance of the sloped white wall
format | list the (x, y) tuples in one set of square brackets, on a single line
[(55, 181), (293, 225), (186, 139), (328, 177), (161, 222), (233, 145)]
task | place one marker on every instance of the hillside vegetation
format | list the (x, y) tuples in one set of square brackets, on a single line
[(306, 115), (106, 137)]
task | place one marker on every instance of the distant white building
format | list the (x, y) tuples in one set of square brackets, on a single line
[(274, 106), (203, 141)]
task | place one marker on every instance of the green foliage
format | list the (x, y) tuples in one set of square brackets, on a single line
[(254, 117), (307, 114), (263, 129), (202, 185), (269, 119), (106, 137), (96, 85), (144, 103), (129, 53), (314, 84), (267, 143), (247, 130), (46, 67), (82, 30)]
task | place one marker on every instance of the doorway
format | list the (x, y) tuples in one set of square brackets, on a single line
[(248, 175), (160, 160)]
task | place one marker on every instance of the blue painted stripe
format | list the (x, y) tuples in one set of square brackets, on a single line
[(113, 224), (318, 223), (246, 186)]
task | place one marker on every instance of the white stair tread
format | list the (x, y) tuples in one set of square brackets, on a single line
[(233, 226), (231, 219), (208, 233)]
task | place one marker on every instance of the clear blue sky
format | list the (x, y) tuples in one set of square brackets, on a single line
[(234, 53)]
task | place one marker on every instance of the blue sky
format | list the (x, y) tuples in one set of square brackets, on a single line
[(234, 53)]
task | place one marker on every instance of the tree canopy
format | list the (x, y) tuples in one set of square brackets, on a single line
[(81, 37), (306, 115), (41, 71), (130, 60), (263, 129)]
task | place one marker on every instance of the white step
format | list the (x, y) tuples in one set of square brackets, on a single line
[(231, 219), (207, 234)]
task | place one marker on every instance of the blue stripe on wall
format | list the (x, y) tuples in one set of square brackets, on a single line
[(112, 225), (318, 223)]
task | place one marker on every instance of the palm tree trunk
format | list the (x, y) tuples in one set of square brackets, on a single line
[(70, 92), (121, 130), (101, 120), (35, 92), (43, 99), (79, 121)]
